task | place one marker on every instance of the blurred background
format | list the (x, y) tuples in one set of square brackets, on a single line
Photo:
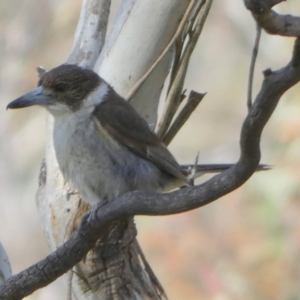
[(246, 245)]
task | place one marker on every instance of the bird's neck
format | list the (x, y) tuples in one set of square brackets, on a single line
[(97, 96)]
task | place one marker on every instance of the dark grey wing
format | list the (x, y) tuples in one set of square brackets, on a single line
[(122, 122)]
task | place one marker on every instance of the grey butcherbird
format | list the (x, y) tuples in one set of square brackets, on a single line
[(103, 147)]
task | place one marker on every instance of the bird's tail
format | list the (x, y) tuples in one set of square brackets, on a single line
[(202, 169)]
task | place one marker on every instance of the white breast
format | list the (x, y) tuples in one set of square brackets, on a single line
[(97, 165)]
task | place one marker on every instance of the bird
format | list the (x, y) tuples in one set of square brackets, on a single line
[(103, 147)]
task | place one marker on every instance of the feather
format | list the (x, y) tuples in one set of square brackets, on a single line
[(124, 124)]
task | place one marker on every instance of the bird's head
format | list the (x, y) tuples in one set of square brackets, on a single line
[(61, 90)]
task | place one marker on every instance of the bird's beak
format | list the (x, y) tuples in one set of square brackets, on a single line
[(34, 97)]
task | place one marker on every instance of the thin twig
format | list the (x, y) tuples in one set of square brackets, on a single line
[(150, 272), (176, 62), (252, 66), (179, 44), (168, 47), (172, 101), (193, 100)]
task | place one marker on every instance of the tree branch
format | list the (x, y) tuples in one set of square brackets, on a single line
[(271, 21), (252, 66), (142, 203), (192, 103), (174, 95)]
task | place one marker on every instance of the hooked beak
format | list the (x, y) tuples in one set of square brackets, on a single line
[(34, 97)]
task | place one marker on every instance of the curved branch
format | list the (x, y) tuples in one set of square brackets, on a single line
[(271, 21), (142, 203)]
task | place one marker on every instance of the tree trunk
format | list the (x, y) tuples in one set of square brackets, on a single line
[(115, 268)]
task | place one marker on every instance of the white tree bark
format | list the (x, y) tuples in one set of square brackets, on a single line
[(140, 33), (132, 48)]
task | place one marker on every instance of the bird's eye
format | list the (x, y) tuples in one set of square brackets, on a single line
[(60, 87)]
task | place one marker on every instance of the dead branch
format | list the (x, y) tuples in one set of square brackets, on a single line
[(271, 21), (252, 66), (192, 103), (174, 95)]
